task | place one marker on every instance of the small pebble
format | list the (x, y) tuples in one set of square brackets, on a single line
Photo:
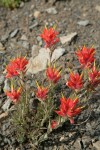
[(52, 11), (83, 23), (14, 33)]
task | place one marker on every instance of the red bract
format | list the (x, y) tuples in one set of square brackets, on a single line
[(94, 77), (75, 82), (53, 74), (54, 124), (50, 37), (11, 71), (41, 92), (14, 95), (20, 64), (68, 108), (16, 66), (86, 56)]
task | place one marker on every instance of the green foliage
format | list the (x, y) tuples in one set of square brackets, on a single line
[(10, 3)]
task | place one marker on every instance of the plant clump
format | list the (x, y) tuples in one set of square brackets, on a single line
[(10, 3), (46, 114)]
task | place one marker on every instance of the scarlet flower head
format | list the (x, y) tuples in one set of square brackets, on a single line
[(16, 66), (50, 37), (94, 77), (54, 124), (41, 92), (14, 95), (53, 74), (75, 81), (86, 56), (68, 108)]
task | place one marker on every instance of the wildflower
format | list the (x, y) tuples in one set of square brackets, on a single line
[(16, 66), (75, 81), (68, 108), (49, 36), (86, 56), (20, 64), (11, 71), (41, 92), (53, 74), (14, 95), (94, 77), (54, 124)]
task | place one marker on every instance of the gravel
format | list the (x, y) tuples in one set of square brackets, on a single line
[(19, 32)]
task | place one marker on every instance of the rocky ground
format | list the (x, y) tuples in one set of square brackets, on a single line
[(79, 22)]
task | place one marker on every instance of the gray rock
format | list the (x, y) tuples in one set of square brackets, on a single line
[(32, 7), (3, 116), (97, 145), (39, 63), (33, 25), (57, 54), (22, 4), (14, 33), (2, 144), (6, 140), (83, 23), (36, 14), (97, 8), (86, 140), (77, 144), (88, 126), (39, 40), (2, 48), (4, 37), (35, 50), (24, 44), (2, 78), (41, 57), (7, 104), (68, 38), (51, 10), (6, 85), (23, 38)]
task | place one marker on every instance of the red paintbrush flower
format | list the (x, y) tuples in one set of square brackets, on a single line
[(94, 77), (75, 82), (14, 95), (16, 66), (86, 56), (54, 124), (20, 63), (49, 36), (11, 71), (68, 108), (41, 92), (53, 74)]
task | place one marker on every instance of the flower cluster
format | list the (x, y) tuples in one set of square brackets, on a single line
[(41, 92), (53, 74), (16, 66), (14, 95), (75, 82), (50, 37), (86, 56), (94, 77), (68, 108)]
